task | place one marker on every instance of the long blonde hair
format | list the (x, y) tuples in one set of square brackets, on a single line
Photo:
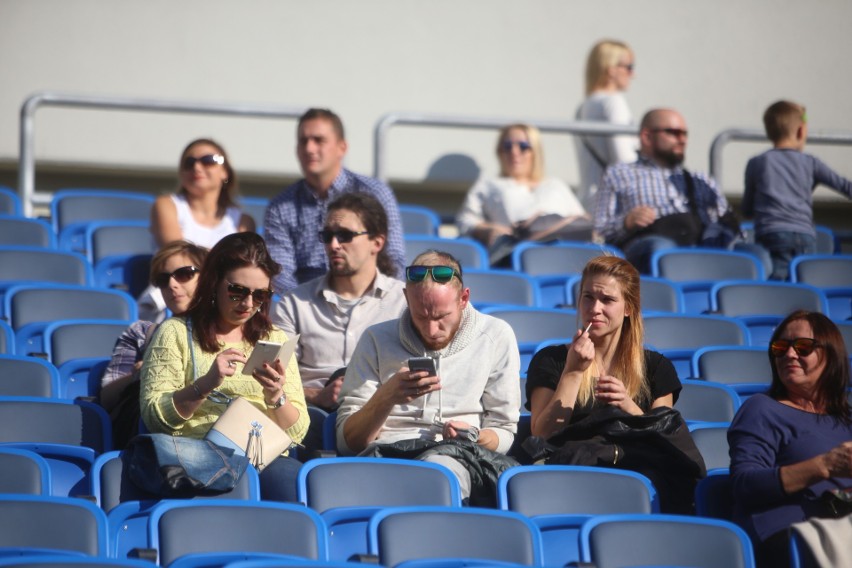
[(628, 363), (604, 55)]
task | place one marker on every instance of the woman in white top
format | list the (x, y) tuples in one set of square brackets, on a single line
[(609, 71), (521, 203), (203, 210)]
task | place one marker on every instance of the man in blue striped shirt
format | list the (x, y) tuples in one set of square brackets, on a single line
[(632, 197), (295, 217)]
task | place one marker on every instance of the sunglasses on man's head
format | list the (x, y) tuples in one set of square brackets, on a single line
[(238, 293), (206, 160), (523, 146), (181, 275), (803, 346), (342, 235), (440, 274)]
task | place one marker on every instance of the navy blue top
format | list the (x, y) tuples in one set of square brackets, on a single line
[(765, 435)]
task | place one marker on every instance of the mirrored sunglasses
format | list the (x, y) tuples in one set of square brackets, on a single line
[(440, 274), (238, 293), (182, 275), (206, 160), (342, 235), (803, 346), (523, 146)]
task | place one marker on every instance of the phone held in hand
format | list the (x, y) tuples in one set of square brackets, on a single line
[(266, 351), (423, 364)]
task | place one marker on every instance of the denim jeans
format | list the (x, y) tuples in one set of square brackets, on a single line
[(783, 246), (278, 480), (639, 251)]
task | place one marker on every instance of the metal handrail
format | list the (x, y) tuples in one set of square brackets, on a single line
[(387, 121), (26, 160), (758, 135)]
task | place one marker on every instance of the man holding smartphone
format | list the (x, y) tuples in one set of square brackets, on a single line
[(465, 409), (332, 311)]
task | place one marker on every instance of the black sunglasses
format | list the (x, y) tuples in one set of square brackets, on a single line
[(238, 293), (182, 275), (803, 346), (342, 235), (676, 132), (507, 146), (206, 160), (440, 274)]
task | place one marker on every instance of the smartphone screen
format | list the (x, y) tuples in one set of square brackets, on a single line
[(423, 364)]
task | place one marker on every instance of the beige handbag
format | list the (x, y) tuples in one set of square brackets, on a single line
[(242, 426)]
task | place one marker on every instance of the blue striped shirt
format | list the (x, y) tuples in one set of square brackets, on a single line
[(643, 183), (295, 217)]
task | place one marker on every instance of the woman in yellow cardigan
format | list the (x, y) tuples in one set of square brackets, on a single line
[(205, 349)]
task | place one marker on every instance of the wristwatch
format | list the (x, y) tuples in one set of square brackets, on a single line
[(278, 404)]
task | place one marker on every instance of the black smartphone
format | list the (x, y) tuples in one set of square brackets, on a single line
[(423, 364)]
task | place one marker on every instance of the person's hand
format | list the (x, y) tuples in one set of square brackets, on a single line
[(225, 365), (497, 231), (838, 460), (639, 217), (327, 396), (581, 352), (455, 429), (406, 386), (610, 390), (271, 379)]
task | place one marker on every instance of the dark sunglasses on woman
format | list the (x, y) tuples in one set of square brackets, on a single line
[(440, 274), (206, 160), (522, 146), (238, 293), (803, 346), (182, 275)]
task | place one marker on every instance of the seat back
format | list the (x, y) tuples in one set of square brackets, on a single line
[(25, 231), (699, 264), (409, 533), (48, 303), (576, 490), (534, 325), (611, 541), (419, 220), (470, 253), (537, 259), (745, 369), (45, 421), (66, 340), (24, 472), (232, 526), (37, 264), (358, 482), (700, 401), (712, 442), (10, 203), (822, 270), (660, 295), (501, 287), (738, 298), (713, 497), (111, 488), (28, 376), (256, 208), (72, 209), (693, 331), (7, 339), (112, 238), (52, 523)]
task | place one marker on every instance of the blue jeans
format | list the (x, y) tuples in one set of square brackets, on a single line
[(639, 251), (783, 246), (278, 480)]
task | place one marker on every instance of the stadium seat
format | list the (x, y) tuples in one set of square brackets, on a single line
[(470, 253), (712, 442), (256, 208), (24, 472), (713, 498), (25, 231), (501, 288), (744, 298), (69, 339), (830, 273), (613, 541), (399, 534), (10, 203), (28, 376), (118, 238), (33, 265), (7, 339), (745, 369), (419, 220), (535, 325), (700, 401)]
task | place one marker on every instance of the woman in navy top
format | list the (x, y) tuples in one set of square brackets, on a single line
[(794, 443)]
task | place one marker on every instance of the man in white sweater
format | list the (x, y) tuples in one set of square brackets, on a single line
[(473, 395)]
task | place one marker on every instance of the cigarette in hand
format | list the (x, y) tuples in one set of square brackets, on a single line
[(588, 327)]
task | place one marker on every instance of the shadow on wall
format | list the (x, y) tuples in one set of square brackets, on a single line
[(459, 168)]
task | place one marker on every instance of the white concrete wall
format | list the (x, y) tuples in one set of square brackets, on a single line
[(720, 62)]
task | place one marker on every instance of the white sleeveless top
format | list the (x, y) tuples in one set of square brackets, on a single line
[(199, 234)]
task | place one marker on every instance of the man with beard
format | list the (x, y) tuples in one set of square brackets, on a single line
[(462, 409), (332, 311), (654, 203)]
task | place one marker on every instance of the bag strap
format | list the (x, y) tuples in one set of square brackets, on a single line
[(588, 145), (215, 395), (690, 191)]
